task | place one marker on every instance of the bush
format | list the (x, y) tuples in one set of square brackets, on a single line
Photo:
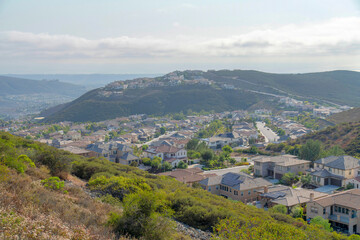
[(20, 163), (53, 183), (279, 209)]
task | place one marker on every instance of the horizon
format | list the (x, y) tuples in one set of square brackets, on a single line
[(112, 37)]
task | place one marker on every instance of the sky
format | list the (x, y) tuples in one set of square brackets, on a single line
[(160, 36)]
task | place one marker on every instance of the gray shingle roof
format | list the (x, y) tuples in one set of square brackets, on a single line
[(340, 162), (237, 181), (325, 173)]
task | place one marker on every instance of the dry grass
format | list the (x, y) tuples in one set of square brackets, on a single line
[(30, 211)]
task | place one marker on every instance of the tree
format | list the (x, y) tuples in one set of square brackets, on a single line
[(227, 149), (144, 147), (311, 150), (279, 209), (288, 179), (334, 151), (192, 144), (166, 166), (207, 155), (306, 179), (297, 212), (182, 165), (162, 130), (156, 163), (253, 150), (321, 222)]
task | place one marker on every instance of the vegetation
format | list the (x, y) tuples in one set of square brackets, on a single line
[(93, 106), (131, 202), (352, 115), (215, 127)]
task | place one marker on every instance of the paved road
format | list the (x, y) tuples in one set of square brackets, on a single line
[(269, 135)]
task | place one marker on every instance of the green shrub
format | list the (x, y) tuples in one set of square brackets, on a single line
[(53, 183)]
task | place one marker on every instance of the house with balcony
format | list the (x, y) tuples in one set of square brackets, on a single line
[(277, 166), (235, 186), (341, 209), (335, 170)]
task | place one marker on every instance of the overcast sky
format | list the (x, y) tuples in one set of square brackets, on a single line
[(159, 36)]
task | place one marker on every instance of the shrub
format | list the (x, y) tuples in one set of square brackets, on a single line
[(53, 183)]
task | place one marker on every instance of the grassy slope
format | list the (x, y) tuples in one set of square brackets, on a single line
[(352, 115), (346, 135), (158, 101), (33, 212), (336, 86)]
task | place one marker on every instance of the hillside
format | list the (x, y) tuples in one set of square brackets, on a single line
[(97, 105), (341, 87), (352, 115), (20, 86), (345, 135), (198, 90), (35, 204)]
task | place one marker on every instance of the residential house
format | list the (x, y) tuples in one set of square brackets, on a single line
[(236, 186), (168, 153), (334, 170), (277, 166), (287, 196), (341, 209), (188, 176), (79, 151), (114, 152)]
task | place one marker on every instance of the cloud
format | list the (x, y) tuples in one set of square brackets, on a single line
[(340, 36)]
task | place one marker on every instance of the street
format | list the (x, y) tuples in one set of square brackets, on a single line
[(269, 135)]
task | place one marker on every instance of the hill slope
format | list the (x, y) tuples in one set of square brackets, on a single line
[(93, 106), (130, 202), (341, 87), (346, 135), (352, 115), (181, 91), (20, 86)]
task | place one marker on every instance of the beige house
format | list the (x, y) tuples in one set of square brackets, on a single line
[(277, 166), (287, 196), (335, 170), (236, 186), (341, 209)]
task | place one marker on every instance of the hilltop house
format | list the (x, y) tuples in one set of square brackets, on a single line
[(341, 209), (236, 186), (334, 170), (277, 166)]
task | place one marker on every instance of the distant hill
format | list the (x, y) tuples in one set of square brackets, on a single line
[(90, 81), (20, 86), (184, 90), (340, 87), (93, 106), (352, 115)]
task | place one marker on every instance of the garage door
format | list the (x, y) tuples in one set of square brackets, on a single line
[(335, 182)]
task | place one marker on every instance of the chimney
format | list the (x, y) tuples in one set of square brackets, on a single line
[(311, 197), (266, 190)]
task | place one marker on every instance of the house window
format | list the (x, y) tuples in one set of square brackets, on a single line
[(343, 210), (242, 193), (209, 188), (217, 187), (347, 211), (335, 209), (249, 192), (324, 210), (236, 192), (314, 209)]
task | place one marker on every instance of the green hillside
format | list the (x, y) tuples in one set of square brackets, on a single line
[(20, 86), (352, 115), (338, 87), (154, 101), (35, 204)]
